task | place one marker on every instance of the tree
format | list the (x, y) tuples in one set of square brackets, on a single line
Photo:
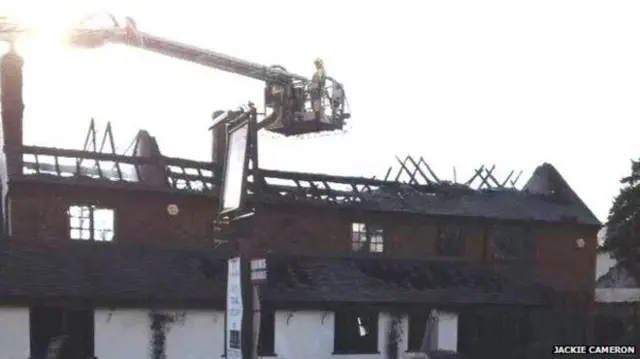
[(622, 237)]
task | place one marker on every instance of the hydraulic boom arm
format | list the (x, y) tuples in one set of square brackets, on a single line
[(299, 105), (129, 35)]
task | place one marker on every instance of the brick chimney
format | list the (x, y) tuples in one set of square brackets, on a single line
[(12, 110), (153, 173)]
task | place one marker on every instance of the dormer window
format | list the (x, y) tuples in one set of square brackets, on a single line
[(91, 223), (367, 238)]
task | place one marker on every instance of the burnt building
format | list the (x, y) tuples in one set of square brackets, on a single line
[(116, 256)]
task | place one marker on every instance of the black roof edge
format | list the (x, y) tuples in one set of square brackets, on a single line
[(419, 216), (105, 184), (114, 303), (219, 305), (368, 256), (404, 306)]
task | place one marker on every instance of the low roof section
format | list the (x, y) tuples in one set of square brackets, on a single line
[(303, 281), (110, 274), (119, 275)]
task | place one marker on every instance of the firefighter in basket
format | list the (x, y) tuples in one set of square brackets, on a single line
[(317, 86)]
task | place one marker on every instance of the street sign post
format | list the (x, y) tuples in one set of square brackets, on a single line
[(258, 276), (258, 270), (234, 310)]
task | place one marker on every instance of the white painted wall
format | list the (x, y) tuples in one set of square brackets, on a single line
[(623, 288), (124, 333), (448, 331), (617, 295), (121, 333), (14, 333), (200, 336), (604, 262), (309, 334)]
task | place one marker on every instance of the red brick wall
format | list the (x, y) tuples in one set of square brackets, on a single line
[(561, 264), (39, 213), (326, 230), (303, 230)]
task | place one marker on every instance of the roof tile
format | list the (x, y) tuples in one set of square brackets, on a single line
[(115, 271)]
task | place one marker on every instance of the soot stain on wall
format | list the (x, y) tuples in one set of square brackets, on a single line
[(159, 326), (395, 331)]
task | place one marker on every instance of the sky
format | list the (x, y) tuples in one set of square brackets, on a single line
[(460, 83)]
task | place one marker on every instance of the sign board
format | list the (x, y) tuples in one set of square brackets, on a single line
[(234, 310), (235, 168), (258, 270)]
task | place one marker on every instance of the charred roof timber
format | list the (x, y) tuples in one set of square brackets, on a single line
[(414, 188), (419, 173), (98, 168)]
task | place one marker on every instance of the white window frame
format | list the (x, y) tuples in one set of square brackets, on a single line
[(367, 238), (91, 223)]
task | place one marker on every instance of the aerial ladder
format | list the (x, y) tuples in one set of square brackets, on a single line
[(294, 104)]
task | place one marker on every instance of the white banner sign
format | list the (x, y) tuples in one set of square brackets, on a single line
[(234, 310)]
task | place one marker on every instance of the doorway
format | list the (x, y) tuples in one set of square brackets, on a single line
[(61, 332)]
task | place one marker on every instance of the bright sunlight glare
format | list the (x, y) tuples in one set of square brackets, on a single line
[(50, 43), (47, 28), (75, 83)]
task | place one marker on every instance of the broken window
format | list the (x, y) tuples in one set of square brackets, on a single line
[(367, 238), (512, 250), (62, 331), (417, 327), (512, 243), (451, 241), (355, 332), (91, 223), (266, 339)]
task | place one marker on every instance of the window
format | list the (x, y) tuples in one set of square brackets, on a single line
[(67, 332), (367, 238), (355, 332), (266, 339), (417, 327), (451, 241), (512, 251), (510, 243), (91, 223)]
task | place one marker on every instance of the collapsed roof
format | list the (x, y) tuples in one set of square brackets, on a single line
[(545, 197)]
